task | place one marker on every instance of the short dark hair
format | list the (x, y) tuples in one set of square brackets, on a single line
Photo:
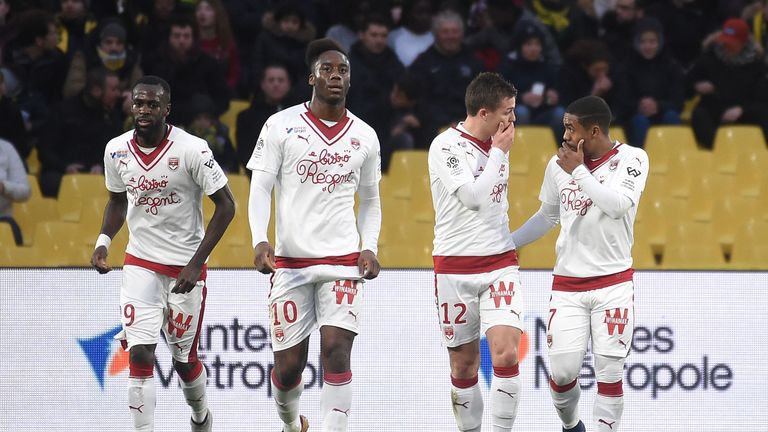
[(319, 46), (289, 8), (274, 65), (97, 77), (591, 110), (32, 24), (375, 19), (155, 81), (487, 90)]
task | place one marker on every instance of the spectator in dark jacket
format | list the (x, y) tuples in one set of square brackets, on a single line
[(619, 27), (376, 68), (188, 71), (730, 77), (207, 126), (655, 82), (445, 69), (11, 123), (74, 138)]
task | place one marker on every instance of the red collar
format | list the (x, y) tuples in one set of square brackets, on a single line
[(594, 164), (329, 132), (484, 146), (147, 161)]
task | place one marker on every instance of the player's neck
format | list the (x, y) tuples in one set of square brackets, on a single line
[(326, 111), (604, 146), (153, 139), (476, 127)]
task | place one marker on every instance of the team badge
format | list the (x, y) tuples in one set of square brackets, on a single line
[(173, 163), (549, 340), (355, 143), (613, 165), (448, 332), (279, 334)]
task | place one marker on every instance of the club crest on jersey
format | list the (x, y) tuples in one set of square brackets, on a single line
[(613, 165), (448, 332), (355, 143), (173, 163), (279, 334)]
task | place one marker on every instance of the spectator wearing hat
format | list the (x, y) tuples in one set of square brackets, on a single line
[(207, 126), (730, 78), (538, 101), (655, 82)]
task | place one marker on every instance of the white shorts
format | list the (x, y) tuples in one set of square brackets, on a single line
[(301, 300), (606, 314), (469, 303), (147, 306)]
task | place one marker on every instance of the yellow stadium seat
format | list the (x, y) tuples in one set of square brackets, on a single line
[(405, 256), (61, 244), (729, 215), (666, 142), (732, 141), (231, 256), (541, 253), (688, 107), (682, 256), (642, 255), (616, 133), (29, 213), (229, 118), (240, 184), (77, 189), (6, 236), (421, 208), (533, 147), (684, 169), (405, 167), (750, 249), (20, 256), (33, 162), (751, 177), (34, 185)]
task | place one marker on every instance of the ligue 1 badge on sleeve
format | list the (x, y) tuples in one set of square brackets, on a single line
[(173, 163)]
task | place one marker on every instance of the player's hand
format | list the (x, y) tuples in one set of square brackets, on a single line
[(368, 265), (568, 158), (187, 279), (99, 260), (504, 137), (264, 258)]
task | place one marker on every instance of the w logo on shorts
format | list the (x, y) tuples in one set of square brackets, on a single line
[(502, 293), (616, 320), (345, 288), (179, 323)]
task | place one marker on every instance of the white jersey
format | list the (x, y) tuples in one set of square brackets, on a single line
[(591, 243), (319, 166), (164, 189), (456, 158)]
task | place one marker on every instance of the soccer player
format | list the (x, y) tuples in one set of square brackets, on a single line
[(477, 280), (156, 175), (592, 188), (316, 155)]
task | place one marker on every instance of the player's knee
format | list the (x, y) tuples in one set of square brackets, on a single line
[(464, 367), (609, 369), (565, 367), (141, 361), (336, 358), (188, 371), (505, 356), (287, 373)]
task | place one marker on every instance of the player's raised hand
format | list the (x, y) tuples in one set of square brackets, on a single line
[(264, 258), (187, 279), (569, 158), (504, 137), (99, 260), (368, 265)]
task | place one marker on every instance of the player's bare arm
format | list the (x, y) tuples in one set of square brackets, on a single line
[(368, 265), (264, 258), (222, 216), (568, 158), (114, 217)]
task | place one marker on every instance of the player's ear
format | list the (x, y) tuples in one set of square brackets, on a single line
[(167, 109), (311, 79)]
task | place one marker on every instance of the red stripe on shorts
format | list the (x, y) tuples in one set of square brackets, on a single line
[(577, 284), (297, 263), (164, 269), (474, 264)]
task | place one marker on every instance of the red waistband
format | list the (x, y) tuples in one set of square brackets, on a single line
[(297, 263), (577, 284), (164, 269), (474, 264)]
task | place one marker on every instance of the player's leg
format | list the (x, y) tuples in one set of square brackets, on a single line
[(183, 320), (501, 310), (338, 306), (458, 312), (612, 328), (568, 329), (292, 319), (141, 302)]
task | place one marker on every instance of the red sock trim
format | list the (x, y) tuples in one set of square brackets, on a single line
[(337, 379), (281, 386), (140, 370), (562, 388), (506, 372), (610, 389), (193, 373), (464, 383)]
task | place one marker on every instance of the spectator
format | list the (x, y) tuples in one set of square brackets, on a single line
[(535, 80), (655, 82), (414, 36), (351, 19), (78, 130), (376, 69), (619, 28), (216, 38), (74, 26), (14, 186), (189, 71), (565, 20), (274, 96), (686, 23), (757, 15), (11, 123), (284, 40), (245, 17), (730, 77), (207, 126), (404, 125), (445, 69), (153, 28), (6, 30)]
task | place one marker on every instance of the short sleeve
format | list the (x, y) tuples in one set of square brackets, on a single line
[(268, 151), (370, 172), (549, 193), (112, 177), (449, 163), (632, 176), (204, 169)]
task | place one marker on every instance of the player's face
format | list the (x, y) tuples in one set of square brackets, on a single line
[(150, 108), (505, 113), (330, 77), (575, 132)]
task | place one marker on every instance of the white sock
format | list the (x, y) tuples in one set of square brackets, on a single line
[(609, 405), (566, 401), (467, 404), (141, 403), (194, 393), (287, 402), (336, 401), (505, 395)]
